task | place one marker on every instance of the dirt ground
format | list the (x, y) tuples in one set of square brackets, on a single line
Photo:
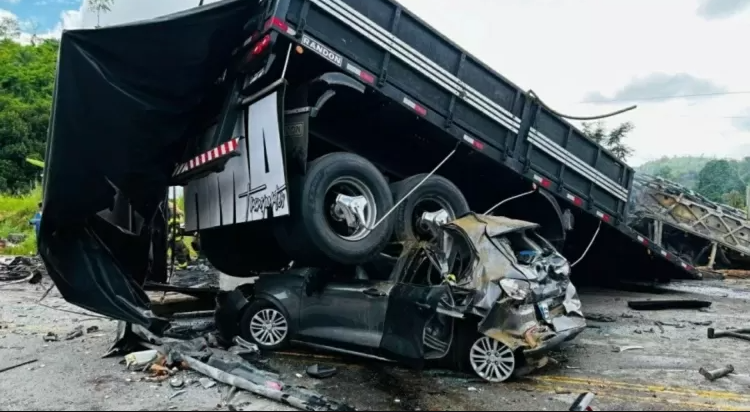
[(663, 375)]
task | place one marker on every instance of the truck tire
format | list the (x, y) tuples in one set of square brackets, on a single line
[(314, 233), (436, 193)]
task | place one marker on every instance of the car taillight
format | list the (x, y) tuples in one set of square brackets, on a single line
[(261, 45)]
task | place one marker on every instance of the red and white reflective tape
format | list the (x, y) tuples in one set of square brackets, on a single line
[(417, 108), (603, 216), (665, 254), (281, 24), (686, 266), (575, 199), (363, 75), (545, 183), (213, 154), (474, 142), (642, 240)]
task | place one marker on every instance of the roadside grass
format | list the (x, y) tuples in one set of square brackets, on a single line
[(15, 213)]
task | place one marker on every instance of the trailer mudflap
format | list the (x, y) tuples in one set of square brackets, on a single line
[(129, 135), (253, 185)]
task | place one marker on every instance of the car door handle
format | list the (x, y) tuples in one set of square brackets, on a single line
[(373, 292)]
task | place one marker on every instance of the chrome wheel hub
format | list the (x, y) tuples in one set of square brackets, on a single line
[(491, 360)]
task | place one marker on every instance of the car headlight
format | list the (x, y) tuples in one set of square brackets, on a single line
[(516, 289)]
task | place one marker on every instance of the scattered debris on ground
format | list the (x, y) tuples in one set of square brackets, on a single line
[(671, 324), (618, 349), (18, 365), (321, 371), (735, 273), (583, 402), (595, 317), (75, 333), (668, 304), (21, 269), (743, 334), (167, 358), (717, 373)]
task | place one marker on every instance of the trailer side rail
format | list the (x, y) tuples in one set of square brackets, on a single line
[(519, 141)]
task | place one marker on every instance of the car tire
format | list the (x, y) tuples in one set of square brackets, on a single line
[(308, 235), (437, 190), (264, 313)]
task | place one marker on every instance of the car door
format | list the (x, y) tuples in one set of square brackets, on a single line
[(346, 314)]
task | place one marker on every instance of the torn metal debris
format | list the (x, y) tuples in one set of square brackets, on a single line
[(713, 375), (668, 304), (169, 356), (21, 269), (743, 334)]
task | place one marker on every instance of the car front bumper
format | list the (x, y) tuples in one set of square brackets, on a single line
[(573, 326)]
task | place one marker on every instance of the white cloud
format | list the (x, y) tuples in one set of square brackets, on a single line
[(128, 11), (566, 49)]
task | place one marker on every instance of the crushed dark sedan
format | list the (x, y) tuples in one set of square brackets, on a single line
[(488, 294)]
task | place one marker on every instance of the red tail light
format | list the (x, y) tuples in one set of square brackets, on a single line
[(262, 45), (276, 22)]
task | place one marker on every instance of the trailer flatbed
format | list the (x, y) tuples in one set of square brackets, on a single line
[(391, 50)]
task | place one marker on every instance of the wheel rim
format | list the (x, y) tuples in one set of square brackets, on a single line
[(492, 360), (429, 204), (269, 327), (352, 206)]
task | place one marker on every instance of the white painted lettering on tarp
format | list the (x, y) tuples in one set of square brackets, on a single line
[(267, 194)]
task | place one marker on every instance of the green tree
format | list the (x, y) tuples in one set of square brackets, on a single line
[(10, 28), (27, 75), (613, 140), (718, 178), (734, 199), (665, 172), (99, 7)]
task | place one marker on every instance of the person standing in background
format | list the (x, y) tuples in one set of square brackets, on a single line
[(36, 221)]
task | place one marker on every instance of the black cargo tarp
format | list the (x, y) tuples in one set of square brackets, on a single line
[(126, 98)]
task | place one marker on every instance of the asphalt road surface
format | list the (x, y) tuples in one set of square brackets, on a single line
[(663, 375)]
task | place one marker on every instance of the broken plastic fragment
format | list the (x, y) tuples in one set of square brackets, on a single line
[(627, 348), (321, 371), (207, 383), (142, 358)]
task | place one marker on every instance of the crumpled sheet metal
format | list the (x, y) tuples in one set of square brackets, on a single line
[(490, 263)]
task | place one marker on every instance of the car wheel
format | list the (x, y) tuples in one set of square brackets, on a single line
[(434, 195), (334, 206), (265, 325), (491, 360)]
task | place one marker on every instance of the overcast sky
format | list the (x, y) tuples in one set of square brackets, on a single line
[(612, 52)]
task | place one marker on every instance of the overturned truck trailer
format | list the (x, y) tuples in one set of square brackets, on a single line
[(700, 231), (322, 132)]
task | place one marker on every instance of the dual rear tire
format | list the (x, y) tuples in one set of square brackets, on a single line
[(319, 231), (337, 216)]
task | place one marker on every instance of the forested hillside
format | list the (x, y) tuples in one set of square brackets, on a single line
[(27, 75)]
